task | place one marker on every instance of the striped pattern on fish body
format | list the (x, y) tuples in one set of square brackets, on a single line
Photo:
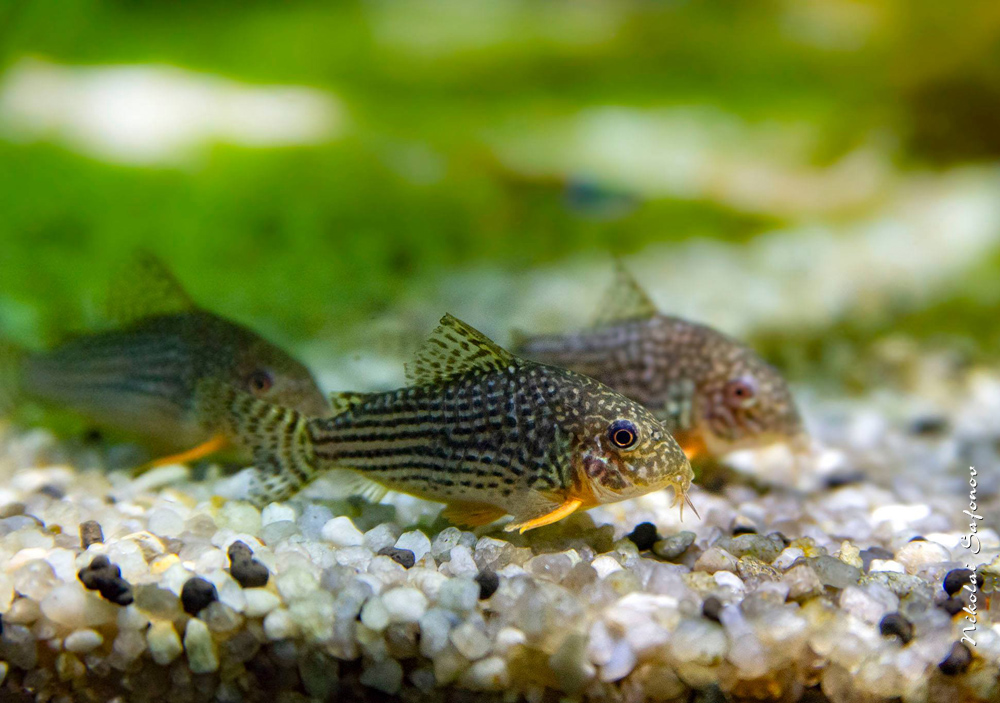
[(142, 378), (712, 392), (482, 431)]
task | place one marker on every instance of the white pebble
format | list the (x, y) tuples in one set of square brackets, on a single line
[(240, 517), (462, 562), (914, 555), (200, 648), (163, 642), (357, 558), (459, 594), (868, 603), (489, 674), (471, 641), (509, 637), (278, 625), (259, 602), (727, 579), (276, 512), (699, 641), (886, 565), (296, 583), (405, 604), (374, 615), (130, 644), (385, 676), (787, 557), (381, 536), (71, 606), (620, 664), (341, 532), (416, 541), (164, 522), (605, 565), (174, 578), (6, 592), (131, 618), (63, 563), (435, 627), (83, 641)]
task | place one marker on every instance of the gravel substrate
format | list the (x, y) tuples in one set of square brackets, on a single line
[(835, 581)]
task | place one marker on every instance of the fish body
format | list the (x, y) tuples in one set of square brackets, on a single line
[(712, 392), (480, 430), (142, 377)]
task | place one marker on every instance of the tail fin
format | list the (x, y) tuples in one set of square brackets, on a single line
[(11, 366), (277, 437)]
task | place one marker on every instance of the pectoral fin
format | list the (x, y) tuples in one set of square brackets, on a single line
[(563, 510), (472, 514), (213, 445)]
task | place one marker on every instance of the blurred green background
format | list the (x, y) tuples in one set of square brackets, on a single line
[(464, 134)]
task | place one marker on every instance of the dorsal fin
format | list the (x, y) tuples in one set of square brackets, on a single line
[(455, 348), (342, 402), (145, 287), (625, 300)]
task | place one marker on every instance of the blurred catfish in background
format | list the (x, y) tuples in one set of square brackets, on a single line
[(140, 377), (712, 392)]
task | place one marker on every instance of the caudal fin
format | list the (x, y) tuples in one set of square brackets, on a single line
[(11, 373), (278, 438)]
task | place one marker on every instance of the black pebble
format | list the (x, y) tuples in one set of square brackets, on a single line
[(955, 579), (957, 661), (896, 624), (197, 594), (845, 478), (952, 606), (52, 491), (644, 536), (744, 529), (488, 582), (929, 425), (917, 538), (711, 608), (106, 578), (239, 551), (247, 571), (404, 557), (91, 533)]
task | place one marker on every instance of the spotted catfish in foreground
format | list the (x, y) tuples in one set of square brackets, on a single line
[(479, 429), (141, 377), (712, 392)]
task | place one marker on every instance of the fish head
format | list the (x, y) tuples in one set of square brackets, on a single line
[(745, 403), (270, 374), (625, 451)]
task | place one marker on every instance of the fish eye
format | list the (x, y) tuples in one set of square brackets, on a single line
[(623, 434), (740, 392), (260, 381)]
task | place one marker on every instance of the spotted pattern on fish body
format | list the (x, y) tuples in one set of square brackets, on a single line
[(484, 432), (142, 377), (712, 392)]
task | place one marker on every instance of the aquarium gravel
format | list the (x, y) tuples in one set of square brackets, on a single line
[(840, 579)]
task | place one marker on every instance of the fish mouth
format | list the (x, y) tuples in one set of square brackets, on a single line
[(682, 497)]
